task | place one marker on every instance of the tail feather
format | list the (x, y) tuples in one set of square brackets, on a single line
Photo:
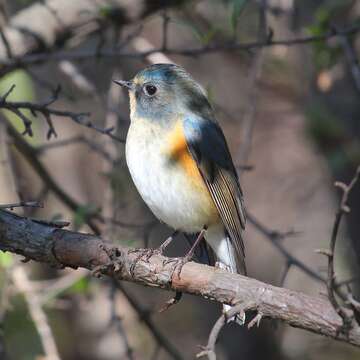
[(227, 258)]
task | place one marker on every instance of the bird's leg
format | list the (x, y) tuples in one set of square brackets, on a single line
[(190, 253)]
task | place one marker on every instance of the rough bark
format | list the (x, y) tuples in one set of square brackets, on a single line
[(47, 243)]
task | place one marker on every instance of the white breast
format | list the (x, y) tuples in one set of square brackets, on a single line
[(164, 186)]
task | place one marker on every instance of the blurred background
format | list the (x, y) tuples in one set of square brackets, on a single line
[(290, 110)]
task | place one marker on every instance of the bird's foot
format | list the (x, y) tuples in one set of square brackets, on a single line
[(188, 257), (146, 254), (180, 262)]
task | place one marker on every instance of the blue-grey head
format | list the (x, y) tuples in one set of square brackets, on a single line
[(162, 92)]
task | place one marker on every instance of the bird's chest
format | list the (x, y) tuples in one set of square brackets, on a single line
[(167, 178)]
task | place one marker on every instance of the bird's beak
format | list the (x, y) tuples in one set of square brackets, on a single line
[(127, 84)]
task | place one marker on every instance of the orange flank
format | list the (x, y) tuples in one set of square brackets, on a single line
[(180, 153)]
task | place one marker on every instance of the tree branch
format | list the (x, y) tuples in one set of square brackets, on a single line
[(58, 247), (59, 19), (42, 57)]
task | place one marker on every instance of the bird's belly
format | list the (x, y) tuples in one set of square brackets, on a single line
[(175, 197)]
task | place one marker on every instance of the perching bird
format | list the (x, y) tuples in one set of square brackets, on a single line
[(180, 162)]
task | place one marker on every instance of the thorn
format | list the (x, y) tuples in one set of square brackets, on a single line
[(171, 302), (340, 185), (325, 252), (345, 209), (256, 320)]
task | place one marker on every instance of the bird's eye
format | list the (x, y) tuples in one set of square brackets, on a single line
[(150, 89)]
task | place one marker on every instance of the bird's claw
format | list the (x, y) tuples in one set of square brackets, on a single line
[(145, 255), (180, 262)]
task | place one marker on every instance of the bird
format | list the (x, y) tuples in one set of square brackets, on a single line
[(180, 162)]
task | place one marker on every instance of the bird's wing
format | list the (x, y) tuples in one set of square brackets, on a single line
[(208, 147)]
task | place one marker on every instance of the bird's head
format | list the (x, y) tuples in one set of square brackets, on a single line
[(162, 92)]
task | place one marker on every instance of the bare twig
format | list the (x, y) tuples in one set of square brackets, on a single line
[(6, 43), (79, 139), (116, 321), (35, 204), (37, 313), (352, 60), (166, 20), (209, 350), (4, 303), (145, 317), (254, 77), (342, 210), (39, 58), (56, 287), (275, 237), (30, 155), (44, 109)]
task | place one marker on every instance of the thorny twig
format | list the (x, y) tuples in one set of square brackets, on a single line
[(144, 316), (78, 139), (342, 210), (197, 51), (352, 59), (209, 349), (30, 155), (275, 237), (45, 109), (254, 77), (116, 320)]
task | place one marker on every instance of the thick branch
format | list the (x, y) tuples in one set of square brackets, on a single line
[(58, 247)]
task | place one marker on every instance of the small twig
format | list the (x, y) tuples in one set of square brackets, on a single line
[(37, 313), (352, 59), (343, 209), (248, 122), (116, 320), (165, 25), (287, 267), (38, 58), (6, 43), (33, 204), (144, 316), (274, 237), (4, 304), (209, 350), (174, 300), (59, 224), (44, 109), (30, 155), (58, 286), (80, 139)]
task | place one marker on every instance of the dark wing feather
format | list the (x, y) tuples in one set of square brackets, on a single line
[(207, 145)]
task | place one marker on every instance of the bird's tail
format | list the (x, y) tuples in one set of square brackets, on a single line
[(227, 258)]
